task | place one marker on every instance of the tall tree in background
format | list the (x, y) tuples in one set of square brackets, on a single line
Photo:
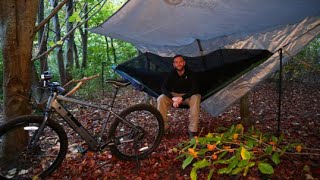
[(113, 52), (59, 50), (84, 38), (70, 42), (42, 38)]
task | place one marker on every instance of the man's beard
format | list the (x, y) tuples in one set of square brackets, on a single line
[(181, 69)]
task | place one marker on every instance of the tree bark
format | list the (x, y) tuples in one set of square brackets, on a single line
[(70, 42), (84, 38), (59, 50), (76, 56), (113, 52), (108, 55), (17, 24), (42, 38)]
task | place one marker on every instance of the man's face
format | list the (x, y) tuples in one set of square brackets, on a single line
[(179, 63)]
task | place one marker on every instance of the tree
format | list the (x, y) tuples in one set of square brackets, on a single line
[(59, 50), (84, 38), (42, 38), (17, 20), (17, 24), (70, 41)]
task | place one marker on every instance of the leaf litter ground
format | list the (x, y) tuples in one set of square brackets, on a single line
[(300, 122)]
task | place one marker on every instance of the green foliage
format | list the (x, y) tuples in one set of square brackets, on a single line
[(75, 17), (97, 45), (233, 152), (306, 64)]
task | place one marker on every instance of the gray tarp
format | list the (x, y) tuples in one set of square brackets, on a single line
[(169, 27)]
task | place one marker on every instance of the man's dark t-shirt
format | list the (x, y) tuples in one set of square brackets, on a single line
[(187, 83)]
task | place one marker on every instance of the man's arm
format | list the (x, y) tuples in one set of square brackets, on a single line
[(164, 87)]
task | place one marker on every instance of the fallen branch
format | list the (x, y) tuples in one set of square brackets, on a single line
[(80, 82)]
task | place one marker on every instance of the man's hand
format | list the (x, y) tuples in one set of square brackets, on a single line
[(177, 101)]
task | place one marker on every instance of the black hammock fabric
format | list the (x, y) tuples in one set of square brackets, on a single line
[(214, 71)]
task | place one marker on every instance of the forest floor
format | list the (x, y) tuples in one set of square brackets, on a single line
[(300, 122)]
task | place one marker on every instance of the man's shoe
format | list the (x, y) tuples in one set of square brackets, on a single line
[(192, 134)]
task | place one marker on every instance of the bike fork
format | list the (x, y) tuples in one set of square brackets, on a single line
[(38, 133)]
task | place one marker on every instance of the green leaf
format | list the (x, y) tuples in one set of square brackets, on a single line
[(274, 139), (187, 161), (237, 170), (202, 152), (250, 143), (223, 171), (202, 140), (222, 154), (245, 154), (265, 168), (193, 173), (233, 164), (75, 17), (219, 162), (231, 129), (210, 139), (281, 138), (275, 158), (243, 163), (51, 43), (284, 149), (201, 164), (251, 164), (210, 174), (268, 150), (60, 42), (245, 172)]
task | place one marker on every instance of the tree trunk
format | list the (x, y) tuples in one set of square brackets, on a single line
[(70, 42), (17, 24), (76, 56), (59, 50), (113, 52), (84, 38), (42, 38), (108, 55)]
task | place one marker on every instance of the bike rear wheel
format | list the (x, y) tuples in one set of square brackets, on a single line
[(18, 160), (139, 141)]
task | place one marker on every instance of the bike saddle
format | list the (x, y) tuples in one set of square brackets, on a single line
[(118, 82)]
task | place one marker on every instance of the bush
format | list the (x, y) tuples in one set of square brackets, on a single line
[(234, 152)]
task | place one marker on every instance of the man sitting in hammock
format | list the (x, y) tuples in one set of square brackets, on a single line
[(179, 88)]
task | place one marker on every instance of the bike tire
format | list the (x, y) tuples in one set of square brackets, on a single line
[(128, 145), (25, 163)]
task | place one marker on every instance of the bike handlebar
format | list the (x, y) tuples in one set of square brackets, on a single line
[(53, 86)]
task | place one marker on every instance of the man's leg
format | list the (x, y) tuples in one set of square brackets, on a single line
[(194, 104), (163, 104)]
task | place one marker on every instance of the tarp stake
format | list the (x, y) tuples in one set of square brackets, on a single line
[(280, 93), (201, 54)]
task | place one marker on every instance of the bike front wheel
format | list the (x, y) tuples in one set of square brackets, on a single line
[(138, 138), (20, 160)]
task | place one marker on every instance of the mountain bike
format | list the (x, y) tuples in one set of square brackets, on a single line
[(33, 146)]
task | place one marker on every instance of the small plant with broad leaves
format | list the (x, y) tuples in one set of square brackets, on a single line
[(234, 152)]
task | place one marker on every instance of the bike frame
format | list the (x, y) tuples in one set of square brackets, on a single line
[(53, 104)]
